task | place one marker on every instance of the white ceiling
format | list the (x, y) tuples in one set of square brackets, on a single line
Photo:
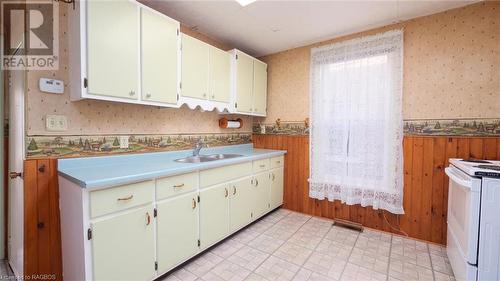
[(266, 27)]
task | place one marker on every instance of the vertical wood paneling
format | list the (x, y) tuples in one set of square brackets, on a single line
[(42, 235), (425, 199)]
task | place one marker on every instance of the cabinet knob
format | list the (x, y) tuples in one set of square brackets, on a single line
[(273, 176), (131, 93), (255, 109), (204, 95), (213, 96), (148, 96)]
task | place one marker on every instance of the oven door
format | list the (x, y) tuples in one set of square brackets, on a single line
[(464, 200)]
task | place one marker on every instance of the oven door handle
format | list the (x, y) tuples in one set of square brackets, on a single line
[(458, 177)]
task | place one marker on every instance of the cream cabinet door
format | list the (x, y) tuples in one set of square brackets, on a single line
[(276, 187), (244, 83), (259, 87), (123, 246), (214, 214), (220, 74), (113, 48), (240, 203), (261, 194), (195, 56), (177, 230), (159, 42)]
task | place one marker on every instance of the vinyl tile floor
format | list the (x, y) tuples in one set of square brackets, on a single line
[(286, 245)]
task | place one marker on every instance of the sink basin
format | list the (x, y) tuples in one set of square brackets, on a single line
[(207, 158)]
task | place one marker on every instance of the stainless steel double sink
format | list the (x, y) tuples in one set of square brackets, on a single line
[(207, 158)]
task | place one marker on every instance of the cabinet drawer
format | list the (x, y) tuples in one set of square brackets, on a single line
[(277, 161), (174, 185), (224, 174), (121, 197), (261, 165)]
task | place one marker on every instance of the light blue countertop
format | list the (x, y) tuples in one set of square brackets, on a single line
[(107, 171)]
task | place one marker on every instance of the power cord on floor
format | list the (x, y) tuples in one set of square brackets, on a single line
[(394, 228)]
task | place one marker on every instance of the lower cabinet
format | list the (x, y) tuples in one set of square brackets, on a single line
[(240, 203), (276, 187), (261, 194), (123, 246), (177, 230), (214, 214)]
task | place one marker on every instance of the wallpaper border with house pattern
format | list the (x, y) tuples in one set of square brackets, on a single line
[(101, 145), (424, 127)]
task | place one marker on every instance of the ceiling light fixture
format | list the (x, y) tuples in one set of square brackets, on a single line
[(243, 3)]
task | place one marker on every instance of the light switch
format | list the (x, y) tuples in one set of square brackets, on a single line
[(56, 123)]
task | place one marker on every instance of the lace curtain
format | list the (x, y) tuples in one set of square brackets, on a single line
[(356, 122)]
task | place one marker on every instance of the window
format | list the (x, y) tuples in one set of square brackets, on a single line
[(356, 122)]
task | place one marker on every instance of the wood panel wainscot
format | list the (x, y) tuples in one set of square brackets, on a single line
[(425, 184), (42, 232)]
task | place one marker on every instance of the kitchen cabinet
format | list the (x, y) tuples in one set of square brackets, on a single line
[(195, 56), (219, 73), (261, 194), (259, 87), (214, 214), (131, 57), (159, 56), (276, 187), (123, 246), (141, 230), (240, 203), (177, 228), (249, 84), (113, 49)]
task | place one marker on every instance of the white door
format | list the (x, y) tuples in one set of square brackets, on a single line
[(240, 203), (194, 76), (276, 187), (244, 83), (159, 37), (16, 80), (214, 214), (177, 230), (220, 72), (123, 246), (259, 87), (261, 194), (113, 48)]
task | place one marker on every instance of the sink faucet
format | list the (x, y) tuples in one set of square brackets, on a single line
[(198, 146)]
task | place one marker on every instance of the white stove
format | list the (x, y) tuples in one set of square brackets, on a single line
[(478, 168), (473, 240)]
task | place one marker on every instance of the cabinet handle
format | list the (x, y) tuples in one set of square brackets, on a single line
[(194, 203), (131, 93), (204, 95), (148, 96), (213, 96), (178, 185), (125, 198), (256, 182), (148, 218), (278, 162), (226, 192), (262, 166), (234, 190), (250, 109), (255, 109), (273, 176)]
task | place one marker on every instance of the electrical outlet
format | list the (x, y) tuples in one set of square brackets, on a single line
[(123, 141), (56, 123)]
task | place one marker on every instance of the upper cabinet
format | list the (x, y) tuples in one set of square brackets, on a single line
[(249, 84), (130, 57), (205, 75), (140, 56), (112, 49), (159, 53), (194, 68)]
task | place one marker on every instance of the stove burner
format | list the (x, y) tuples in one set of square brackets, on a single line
[(472, 160), (489, 167)]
